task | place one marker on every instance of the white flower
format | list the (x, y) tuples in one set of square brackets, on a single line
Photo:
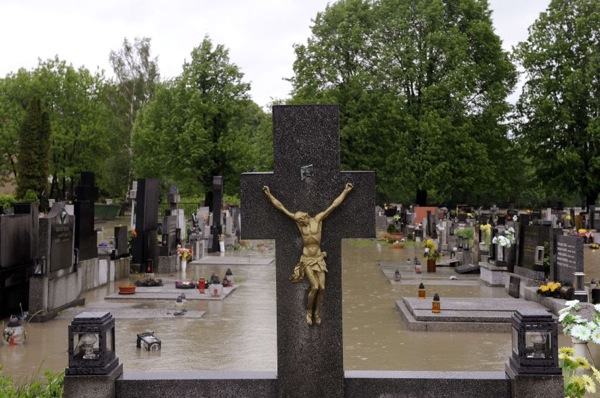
[(597, 307), (596, 335), (581, 332), (571, 303), (562, 315)]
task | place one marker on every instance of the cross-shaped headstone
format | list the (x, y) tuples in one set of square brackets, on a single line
[(309, 358)]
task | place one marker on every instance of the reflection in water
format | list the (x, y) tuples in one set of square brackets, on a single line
[(239, 333)]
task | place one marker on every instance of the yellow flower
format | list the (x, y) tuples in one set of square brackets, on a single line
[(566, 350), (590, 386), (582, 231), (577, 381), (582, 362), (544, 288), (596, 374)]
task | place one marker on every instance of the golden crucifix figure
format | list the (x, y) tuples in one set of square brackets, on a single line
[(312, 262)]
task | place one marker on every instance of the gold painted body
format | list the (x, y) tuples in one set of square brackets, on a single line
[(312, 262)]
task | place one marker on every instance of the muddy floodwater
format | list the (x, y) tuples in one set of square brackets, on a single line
[(239, 333)]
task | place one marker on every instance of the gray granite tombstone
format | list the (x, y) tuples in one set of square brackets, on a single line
[(309, 358), (569, 258), (168, 236), (56, 242), (121, 244)]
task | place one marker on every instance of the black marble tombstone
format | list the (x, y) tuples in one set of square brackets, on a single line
[(86, 239), (217, 228), (145, 247), (18, 250), (531, 241)]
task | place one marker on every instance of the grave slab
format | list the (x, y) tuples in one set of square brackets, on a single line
[(463, 314), (168, 293), (233, 260)]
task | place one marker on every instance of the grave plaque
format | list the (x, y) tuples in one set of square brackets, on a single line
[(309, 358), (56, 241), (569, 258)]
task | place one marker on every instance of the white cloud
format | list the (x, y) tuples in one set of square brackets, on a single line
[(259, 35)]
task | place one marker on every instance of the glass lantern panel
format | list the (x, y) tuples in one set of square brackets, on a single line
[(537, 344), (110, 338), (515, 342)]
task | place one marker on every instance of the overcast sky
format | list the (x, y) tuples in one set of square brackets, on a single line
[(259, 34)]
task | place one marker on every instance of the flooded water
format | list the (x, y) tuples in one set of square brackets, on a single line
[(239, 333)]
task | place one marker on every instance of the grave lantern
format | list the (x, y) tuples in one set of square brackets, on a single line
[(534, 343), (92, 344)]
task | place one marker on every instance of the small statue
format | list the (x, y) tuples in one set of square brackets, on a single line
[(312, 262)]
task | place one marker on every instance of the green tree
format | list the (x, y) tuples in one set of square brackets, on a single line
[(137, 76), (559, 107), (200, 124), (422, 88), (34, 149), (81, 137), (14, 99)]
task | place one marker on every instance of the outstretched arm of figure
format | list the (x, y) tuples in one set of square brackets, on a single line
[(277, 203), (337, 201)]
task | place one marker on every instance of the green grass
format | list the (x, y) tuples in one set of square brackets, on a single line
[(49, 386)]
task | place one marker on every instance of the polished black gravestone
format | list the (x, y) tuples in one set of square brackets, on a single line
[(86, 238), (145, 247), (309, 358), (217, 207), (18, 251)]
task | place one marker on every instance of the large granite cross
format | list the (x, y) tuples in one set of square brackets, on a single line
[(309, 358)]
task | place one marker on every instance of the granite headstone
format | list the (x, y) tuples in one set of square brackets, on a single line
[(309, 358)]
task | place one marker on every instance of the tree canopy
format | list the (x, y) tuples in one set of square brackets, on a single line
[(559, 107), (422, 87), (201, 124)]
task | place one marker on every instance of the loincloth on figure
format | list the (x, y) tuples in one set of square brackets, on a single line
[(316, 264)]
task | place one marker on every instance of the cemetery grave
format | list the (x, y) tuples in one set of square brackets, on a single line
[(313, 190)]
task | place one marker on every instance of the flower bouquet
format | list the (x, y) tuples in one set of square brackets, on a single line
[(429, 250), (550, 289), (506, 240), (183, 253)]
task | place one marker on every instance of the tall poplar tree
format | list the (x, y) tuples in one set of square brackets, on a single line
[(34, 150)]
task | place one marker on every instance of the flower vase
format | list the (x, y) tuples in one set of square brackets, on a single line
[(430, 265), (183, 265), (579, 348), (500, 253), (222, 246)]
